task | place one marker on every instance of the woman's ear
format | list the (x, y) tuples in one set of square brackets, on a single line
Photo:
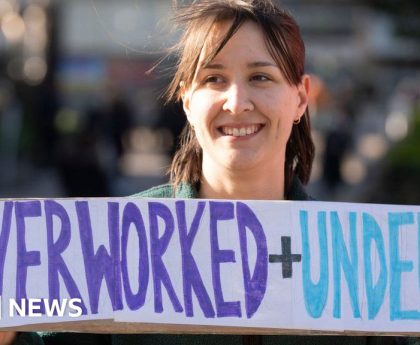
[(303, 94), (185, 97)]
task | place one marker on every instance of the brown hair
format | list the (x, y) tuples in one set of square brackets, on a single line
[(285, 45)]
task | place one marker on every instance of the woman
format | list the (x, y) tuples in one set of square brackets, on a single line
[(241, 80)]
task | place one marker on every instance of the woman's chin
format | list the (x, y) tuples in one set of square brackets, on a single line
[(241, 163)]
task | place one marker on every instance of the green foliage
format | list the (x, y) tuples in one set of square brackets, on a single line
[(407, 153), (399, 181)]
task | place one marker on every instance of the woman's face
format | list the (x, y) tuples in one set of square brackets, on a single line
[(240, 105)]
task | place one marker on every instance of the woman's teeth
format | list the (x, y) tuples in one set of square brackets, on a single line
[(240, 131)]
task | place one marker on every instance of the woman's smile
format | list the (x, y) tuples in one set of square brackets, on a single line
[(240, 131)]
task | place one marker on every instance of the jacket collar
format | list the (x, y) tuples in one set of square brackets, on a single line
[(186, 191), (297, 191)]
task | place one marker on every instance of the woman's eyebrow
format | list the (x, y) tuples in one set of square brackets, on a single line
[(249, 65), (261, 64), (213, 66)]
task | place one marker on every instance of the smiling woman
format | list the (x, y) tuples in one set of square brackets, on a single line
[(241, 79)]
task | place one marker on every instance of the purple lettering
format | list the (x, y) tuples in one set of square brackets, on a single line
[(101, 264), (4, 238), (56, 264), (256, 285), (158, 248), (221, 211), (132, 215), (25, 209), (191, 276)]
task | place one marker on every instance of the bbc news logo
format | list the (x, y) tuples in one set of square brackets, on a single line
[(37, 307)]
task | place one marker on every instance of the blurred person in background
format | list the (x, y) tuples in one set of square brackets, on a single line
[(10, 131)]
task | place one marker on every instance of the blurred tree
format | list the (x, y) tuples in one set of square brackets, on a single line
[(399, 182), (406, 15), (397, 6)]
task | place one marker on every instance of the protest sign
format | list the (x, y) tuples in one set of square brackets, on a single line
[(249, 265)]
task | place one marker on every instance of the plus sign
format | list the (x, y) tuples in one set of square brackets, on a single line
[(286, 258)]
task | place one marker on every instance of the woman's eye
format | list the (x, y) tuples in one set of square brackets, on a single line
[(260, 77), (213, 79)]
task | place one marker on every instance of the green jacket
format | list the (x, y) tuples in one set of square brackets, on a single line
[(187, 192)]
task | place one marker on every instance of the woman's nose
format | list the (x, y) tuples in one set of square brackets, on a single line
[(237, 99)]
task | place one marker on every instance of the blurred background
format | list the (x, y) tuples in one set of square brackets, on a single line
[(79, 115)]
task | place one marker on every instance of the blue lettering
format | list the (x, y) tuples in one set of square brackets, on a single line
[(341, 259), (315, 294), (397, 266), (374, 292), (418, 244)]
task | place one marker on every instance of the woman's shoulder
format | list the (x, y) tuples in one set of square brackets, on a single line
[(185, 191), (298, 192), (161, 191)]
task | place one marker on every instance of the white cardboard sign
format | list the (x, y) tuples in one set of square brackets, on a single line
[(279, 264)]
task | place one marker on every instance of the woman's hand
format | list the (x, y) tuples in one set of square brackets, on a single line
[(7, 338)]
